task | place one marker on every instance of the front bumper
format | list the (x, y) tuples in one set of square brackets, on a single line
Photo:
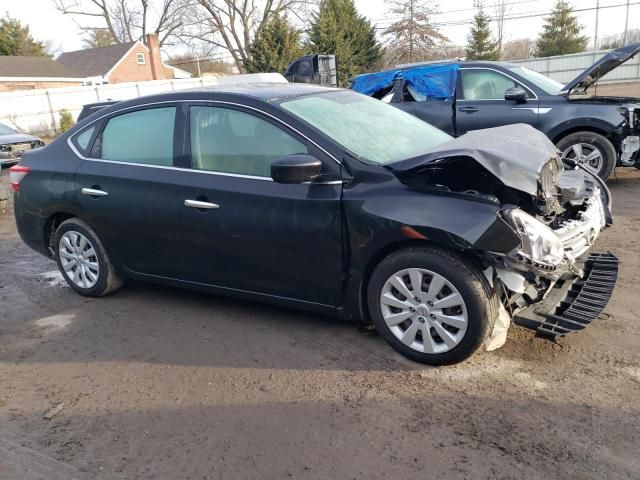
[(573, 302), (7, 158)]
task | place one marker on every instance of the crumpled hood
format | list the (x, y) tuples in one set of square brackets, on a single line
[(604, 65), (514, 153), (16, 138)]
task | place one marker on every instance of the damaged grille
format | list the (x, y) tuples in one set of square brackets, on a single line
[(573, 304)]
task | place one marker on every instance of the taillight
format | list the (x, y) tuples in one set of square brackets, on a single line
[(16, 174)]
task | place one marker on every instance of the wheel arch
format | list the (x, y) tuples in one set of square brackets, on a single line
[(562, 131), (362, 310), (51, 224)]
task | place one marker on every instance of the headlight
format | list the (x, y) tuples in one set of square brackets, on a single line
[(540, 244)]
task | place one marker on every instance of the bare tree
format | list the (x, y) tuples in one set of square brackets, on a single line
[(128, 20), (518, 49), (231, 25), (413, 37), (501, 9)]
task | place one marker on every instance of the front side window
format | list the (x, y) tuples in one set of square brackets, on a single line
[(372, 130), (143, 136), (231, 141), (486, 85)]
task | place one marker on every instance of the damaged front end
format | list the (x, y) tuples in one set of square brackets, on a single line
[(550, 282)]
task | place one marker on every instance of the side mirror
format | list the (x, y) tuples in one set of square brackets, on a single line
[(297, 168), (515, 94)]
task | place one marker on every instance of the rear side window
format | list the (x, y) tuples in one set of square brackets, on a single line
[(143, 136), (486, 85), (230, 141), (82, 140)]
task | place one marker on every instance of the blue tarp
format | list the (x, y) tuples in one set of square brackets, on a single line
[(432, 81)]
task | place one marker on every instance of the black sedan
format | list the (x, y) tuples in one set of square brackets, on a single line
[(326, 200), (13, 144)]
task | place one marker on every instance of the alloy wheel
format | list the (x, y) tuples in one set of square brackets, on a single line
[(424, 310), (584, 153), (78, 259)]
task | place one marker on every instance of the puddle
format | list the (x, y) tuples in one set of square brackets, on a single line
[(55, 321)]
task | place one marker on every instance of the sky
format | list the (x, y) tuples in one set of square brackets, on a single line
[(453, 16)]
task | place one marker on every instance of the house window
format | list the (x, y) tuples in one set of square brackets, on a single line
[(140, 58)]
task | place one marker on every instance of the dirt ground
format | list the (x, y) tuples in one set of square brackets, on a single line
[(161, 383)]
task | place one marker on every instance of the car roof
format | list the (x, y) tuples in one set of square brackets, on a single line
[(460, 63)]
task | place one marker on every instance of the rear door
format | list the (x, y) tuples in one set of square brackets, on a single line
[(254, 234), (480, 101), (126, 187)]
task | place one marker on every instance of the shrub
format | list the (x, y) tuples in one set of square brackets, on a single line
[(66, 121)]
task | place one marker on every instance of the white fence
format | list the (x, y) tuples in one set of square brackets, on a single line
[(38, 111), (565, 68)]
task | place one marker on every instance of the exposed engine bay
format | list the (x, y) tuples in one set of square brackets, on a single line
[(557, 218)]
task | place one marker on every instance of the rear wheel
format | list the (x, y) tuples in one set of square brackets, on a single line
[(431, 305), (83, 260), (591, 149)]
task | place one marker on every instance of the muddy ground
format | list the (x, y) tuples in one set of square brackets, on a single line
[(160, 383)]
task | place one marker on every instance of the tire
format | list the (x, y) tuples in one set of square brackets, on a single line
[(478, 302), (588, 142), (93, 273)]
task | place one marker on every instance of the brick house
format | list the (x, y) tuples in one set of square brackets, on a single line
[(123, 62), (29, 73)]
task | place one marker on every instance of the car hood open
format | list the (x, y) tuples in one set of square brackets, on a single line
[(599, 69), (515, 154), (16, 138)]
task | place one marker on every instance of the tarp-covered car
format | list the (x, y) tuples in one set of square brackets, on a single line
[(458, 97)]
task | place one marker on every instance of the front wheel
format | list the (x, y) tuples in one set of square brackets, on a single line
[(431, 305), (591, 149)]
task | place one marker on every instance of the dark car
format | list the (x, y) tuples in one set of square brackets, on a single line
[(458, 97), (326, 200), (13, 144), (91, 108)]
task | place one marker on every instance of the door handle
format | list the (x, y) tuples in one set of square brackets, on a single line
[(468, 109), (200, 205), (94, 192)]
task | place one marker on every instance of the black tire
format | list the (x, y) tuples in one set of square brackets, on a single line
[(108, 278), (481, 302), (595, 140)]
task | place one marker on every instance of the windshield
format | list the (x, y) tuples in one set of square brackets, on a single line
[(541, 81), (4, 130), (368, 128)]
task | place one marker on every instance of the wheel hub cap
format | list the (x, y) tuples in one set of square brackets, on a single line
[(584, 153), (78, 259), (424, 310)]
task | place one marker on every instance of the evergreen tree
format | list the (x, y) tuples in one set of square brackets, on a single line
[(98, 37), (413, 37), (274, 47), (15, 39), (480, 43), (561, 33), (337, 29)]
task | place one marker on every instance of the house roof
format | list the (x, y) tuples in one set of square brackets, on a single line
[(34, 67), (93, 62)]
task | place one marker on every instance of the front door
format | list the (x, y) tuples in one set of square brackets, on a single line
[(480, 101), (247, 232)]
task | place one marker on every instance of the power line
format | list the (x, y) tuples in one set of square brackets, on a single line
[(520, 16)]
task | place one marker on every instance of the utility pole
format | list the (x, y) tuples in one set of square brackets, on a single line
[(626, 25), (595, 37), (410, 31)]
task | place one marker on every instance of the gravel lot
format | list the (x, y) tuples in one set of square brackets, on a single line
[(160, 383)]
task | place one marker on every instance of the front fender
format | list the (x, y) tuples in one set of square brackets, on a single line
[(378, 223)]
